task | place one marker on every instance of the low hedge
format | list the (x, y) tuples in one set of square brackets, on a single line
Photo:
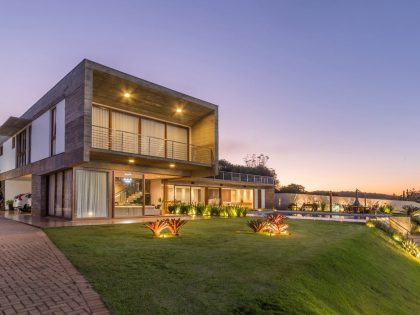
[(207, 210)]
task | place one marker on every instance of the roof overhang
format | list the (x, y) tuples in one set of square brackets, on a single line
[(12, 126)]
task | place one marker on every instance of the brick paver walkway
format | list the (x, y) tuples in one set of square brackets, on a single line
[(36, 278)]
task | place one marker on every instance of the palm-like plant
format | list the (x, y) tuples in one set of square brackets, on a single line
[(276, 218), (257, 225), (411, 247), (174, 225), (157, 226), (277, 228)]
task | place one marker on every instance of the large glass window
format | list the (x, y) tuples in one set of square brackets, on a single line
[(243, 197), (100, 128), (152, 137), (125, 129), (128, 188), (177, 144), (91, 194), (182, 194), (197, 195), (214, 196)]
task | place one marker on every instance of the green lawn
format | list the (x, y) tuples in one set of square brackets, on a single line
[(218, 266)]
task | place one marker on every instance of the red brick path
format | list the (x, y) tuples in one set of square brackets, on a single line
[(36, 278)]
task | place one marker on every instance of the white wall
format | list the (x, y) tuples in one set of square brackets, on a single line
[(40, 141), (282, 200), (61, 127), (8, 159), (14, 187)]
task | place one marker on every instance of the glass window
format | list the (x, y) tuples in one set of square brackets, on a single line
[(182, 194), (171, 193), (214, 196), (197, 195), (91, 194), (177, 144)]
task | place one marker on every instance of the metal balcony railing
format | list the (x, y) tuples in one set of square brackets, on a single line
[(240, 177), (122, 141)]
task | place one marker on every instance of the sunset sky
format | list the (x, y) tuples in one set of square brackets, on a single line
[(328, 89)]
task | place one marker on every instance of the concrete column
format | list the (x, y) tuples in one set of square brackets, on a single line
[(39, 195)]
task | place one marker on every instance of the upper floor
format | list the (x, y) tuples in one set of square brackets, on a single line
[(99, 114)]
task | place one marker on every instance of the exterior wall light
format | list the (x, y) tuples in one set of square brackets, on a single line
[(131, 161), (179, 110), (172, 165), (127, 95)]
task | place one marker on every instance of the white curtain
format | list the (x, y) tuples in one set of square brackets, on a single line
[(197, 194), (125, 129), (177, 146), (182, 194), (152, 138), (91, 194), (100, 125)]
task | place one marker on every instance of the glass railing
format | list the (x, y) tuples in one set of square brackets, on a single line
[(122, 141), (241, 177)]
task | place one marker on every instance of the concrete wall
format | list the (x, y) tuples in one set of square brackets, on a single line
[(14, 187), (282, 200), (8, 159), (61, 127)]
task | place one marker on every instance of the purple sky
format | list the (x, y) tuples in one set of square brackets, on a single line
[(328, 89)]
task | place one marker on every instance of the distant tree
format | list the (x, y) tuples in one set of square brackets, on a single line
[(253, 160), (254, 164), (292, 189)]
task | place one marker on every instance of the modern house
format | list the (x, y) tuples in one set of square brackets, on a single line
[(105, 144)]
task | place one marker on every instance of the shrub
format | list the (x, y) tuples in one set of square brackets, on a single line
[(258, 225), (232, 211), (215, 210), (411, 210), (172, 208), (386, 209), (223, 212), (411, 247), (206, 210), (191, 209), (242, 211), (157, 226), (292, 206), (383, 226), (174, 225), (183, 208), (200, 208), (323, 206)]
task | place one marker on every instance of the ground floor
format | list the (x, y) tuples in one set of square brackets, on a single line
[(82, 193)]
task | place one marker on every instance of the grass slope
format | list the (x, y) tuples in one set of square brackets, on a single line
[(219, 267)]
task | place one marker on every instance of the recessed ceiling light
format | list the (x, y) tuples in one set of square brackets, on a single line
[(127, 95), (131, 161), (179, 110), (172, 165)]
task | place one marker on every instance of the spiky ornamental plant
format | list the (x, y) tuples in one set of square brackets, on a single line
[(174, 225), (277, 228), (258, 225), (276, 218), (157, 227), (411, 247)]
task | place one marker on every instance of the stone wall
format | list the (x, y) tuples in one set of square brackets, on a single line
[(282, 200)]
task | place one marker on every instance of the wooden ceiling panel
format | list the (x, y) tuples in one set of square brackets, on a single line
[(151, 100)]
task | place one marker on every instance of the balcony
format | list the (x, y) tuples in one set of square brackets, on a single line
[(247, 178), (122, 141)]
